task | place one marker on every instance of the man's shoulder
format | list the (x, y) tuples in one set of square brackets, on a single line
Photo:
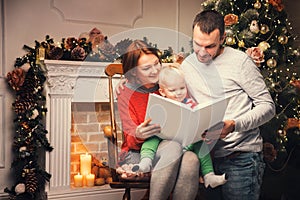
[(190, 57), (234, 55), (235, 52)]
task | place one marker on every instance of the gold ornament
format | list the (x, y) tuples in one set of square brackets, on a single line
[(264, 45), (257, 5), (271, 63), (264, 29), (230, 40), (283, 39), (40, 55), (241, 43)]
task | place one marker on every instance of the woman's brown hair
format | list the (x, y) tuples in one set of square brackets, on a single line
[(134, 52)]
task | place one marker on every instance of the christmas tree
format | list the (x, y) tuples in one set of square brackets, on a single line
[(261, 29)]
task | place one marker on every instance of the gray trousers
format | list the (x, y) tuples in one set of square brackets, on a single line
[(175, 172)]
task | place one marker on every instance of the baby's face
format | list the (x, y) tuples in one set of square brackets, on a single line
[(174, 88)]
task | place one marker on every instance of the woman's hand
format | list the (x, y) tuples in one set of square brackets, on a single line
[(144, 130)]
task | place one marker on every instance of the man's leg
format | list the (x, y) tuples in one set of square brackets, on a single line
[(245, 173)]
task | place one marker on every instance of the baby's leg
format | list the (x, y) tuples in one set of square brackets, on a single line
[(148, 151)]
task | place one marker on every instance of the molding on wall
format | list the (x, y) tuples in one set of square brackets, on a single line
[(2, 41), (2, 133), (103, 12)]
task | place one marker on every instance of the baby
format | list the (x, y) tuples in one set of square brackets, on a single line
[(172, 85)]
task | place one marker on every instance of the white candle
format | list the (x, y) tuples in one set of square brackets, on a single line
[(85, 164), (78, 180), (90, 180)]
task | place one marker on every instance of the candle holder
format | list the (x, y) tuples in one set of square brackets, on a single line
[(78, 180), (90, 180)]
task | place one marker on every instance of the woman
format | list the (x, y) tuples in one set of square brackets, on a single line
[(172, 172)]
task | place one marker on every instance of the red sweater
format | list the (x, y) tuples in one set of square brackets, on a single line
[(132, 109)]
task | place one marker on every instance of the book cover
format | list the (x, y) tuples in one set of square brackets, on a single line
[(182, 123)]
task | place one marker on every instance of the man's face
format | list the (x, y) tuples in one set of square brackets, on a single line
[(207, 46)]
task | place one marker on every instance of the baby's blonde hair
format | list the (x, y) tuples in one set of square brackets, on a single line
[(167, 71)]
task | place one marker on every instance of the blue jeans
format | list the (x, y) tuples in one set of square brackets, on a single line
[(245, 174)]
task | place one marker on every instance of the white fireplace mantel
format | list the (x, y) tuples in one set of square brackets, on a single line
[(67, 82), (84, 81)]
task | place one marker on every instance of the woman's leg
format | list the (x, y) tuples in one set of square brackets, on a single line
[(164, 174), (188, 177)]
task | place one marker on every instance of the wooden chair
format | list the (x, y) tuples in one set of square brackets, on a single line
[(111, 133)]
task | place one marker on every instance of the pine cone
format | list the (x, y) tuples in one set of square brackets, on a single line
[(55, 53), (78, 53), (31, 182), (23, 104), (70, 43)]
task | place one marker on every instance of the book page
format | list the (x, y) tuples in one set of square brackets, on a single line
[(181, 123), (206, 117), (169, 114)]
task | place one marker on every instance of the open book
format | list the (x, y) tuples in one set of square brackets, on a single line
[(182, 123)]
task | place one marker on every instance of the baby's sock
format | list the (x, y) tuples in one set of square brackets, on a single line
[(144, 165), (214, 180)]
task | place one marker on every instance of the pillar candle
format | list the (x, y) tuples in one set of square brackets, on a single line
[(85, 164), (78, 180), (90, 179)]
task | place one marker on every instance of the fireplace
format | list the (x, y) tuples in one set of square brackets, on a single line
[(77, 102)]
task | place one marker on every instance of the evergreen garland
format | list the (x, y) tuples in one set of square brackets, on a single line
[(30, 141)]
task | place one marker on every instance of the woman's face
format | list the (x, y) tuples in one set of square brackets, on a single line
[(146, 73)]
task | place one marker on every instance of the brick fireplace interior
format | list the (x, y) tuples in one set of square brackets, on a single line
[(88, 121)]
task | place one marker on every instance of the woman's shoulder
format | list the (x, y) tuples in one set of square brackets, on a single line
[(129, 93)]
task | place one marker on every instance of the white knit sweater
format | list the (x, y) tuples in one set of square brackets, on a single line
[(233, 75)]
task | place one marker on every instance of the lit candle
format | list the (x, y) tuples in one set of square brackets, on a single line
[(78, 180), (90, 180), (85, 164)]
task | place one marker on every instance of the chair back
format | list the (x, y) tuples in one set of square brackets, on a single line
[(111, 70)]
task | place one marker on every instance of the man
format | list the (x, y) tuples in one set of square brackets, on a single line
[(213, 72)]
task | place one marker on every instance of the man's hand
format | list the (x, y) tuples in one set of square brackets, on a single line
[(220, 130), (229, 127), (144, 130), (119, 87)]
